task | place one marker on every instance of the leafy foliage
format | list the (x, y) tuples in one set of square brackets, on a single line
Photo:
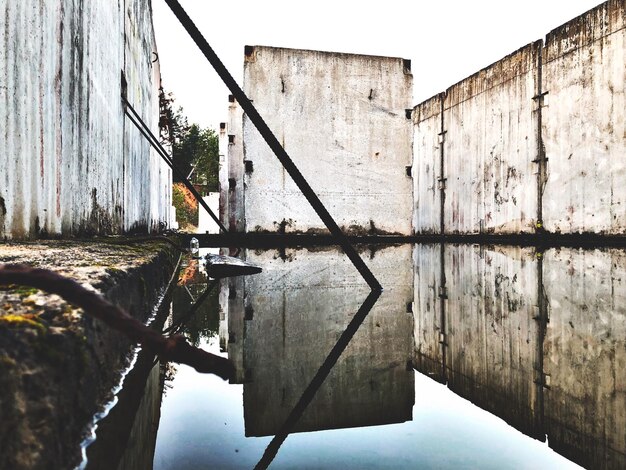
[(186, 206), (193, 148), (198, 150), (195, 152)]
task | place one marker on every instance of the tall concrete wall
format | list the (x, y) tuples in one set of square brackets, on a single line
[(535, 338), (235, 184), (489, 148), (584, 123), (342, 120), (292, 320), (71, 162), (428, 179), (533, 142)]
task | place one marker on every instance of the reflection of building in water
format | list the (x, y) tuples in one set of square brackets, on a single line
[(126, 437), (232, 325), (293, 315), (585, 355), (475, 328), (537, 340)]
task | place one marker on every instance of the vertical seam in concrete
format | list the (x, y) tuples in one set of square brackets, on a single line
[(442, 178), (542, 321), (540, 157), (442, 310)]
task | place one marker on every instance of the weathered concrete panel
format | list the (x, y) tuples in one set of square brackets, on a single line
[(71, 163), (489, 148), (295, 312), (342, 120), (585, 355), (427, 162), (236, 215), (206, 224), (224, 202), (584, 123)]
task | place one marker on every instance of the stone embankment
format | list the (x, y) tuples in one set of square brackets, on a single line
[(57, 365)]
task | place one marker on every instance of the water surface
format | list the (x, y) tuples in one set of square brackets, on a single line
[(472, 357)]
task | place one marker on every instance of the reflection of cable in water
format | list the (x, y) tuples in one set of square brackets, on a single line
[(176, 327), (318, 380)]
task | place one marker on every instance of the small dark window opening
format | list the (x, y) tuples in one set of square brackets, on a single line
[(232, 183), (406, 63), (123, 85), (231, 139), (249, 313), (409, 171), (231, 98), (249, 167)]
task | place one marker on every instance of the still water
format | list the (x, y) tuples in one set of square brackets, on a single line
[(472, 357)]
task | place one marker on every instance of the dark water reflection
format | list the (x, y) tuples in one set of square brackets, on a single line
[(537, 339), (296, 311)]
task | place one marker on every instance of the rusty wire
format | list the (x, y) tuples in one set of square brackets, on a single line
[(175, 348)]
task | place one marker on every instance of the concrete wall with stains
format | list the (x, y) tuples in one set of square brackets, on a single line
[(538, 339), (294, 317), (342, 120), (489, 146), (428, 179), (584, 123), (235, 183), (533, 142), (72, 163)]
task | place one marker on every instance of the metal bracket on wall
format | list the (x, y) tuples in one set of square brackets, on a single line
[(273, 142)]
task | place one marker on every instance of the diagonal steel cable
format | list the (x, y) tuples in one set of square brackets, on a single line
[(317, 381), (273, 143)]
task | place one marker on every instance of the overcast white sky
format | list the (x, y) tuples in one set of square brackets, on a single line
[(446, 40)]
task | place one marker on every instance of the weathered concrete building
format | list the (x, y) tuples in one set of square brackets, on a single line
[(71, 162), (533, 142), (584, 123), (232, 169), (474, 150), (342, 119), (533, 338)]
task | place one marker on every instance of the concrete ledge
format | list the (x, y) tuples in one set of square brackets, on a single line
[(58, 366)]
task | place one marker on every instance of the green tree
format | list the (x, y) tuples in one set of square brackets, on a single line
[(197, 153), (193, 148)]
